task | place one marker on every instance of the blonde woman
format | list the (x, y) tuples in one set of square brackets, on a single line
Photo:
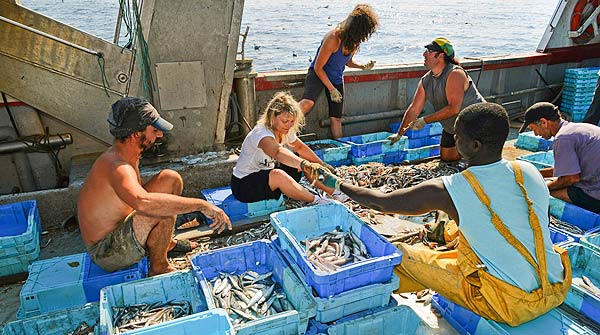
[(266, 168)]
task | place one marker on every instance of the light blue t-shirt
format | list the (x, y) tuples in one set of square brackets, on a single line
[(502, 260)]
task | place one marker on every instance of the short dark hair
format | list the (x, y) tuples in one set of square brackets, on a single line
[(486, 122)]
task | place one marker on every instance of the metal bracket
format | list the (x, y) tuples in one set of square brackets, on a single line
[(592, 19)]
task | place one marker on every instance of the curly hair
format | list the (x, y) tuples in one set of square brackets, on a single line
[(282, 102), (486, 122), (360, 24)]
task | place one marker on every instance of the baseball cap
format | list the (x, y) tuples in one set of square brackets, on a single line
[(131, 114), (537, 111), (441, 44)]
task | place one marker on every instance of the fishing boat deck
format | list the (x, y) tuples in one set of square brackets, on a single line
[(66, 240)]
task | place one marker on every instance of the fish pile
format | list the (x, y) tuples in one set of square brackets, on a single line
[(322, 146), (562, 225), (83, 329), (248, 296), (586, 284), (334, 249), (139, 316)]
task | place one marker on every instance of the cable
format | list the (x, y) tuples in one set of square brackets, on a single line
[(10, 115)]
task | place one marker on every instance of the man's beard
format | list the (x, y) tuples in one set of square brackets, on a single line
[(146, 145)]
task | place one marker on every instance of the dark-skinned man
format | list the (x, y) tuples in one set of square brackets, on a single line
[(576, 155), (505, 267)]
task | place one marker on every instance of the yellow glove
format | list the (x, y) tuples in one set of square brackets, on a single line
[(311, 170), (336, 96), (368, 66), (394, 138)]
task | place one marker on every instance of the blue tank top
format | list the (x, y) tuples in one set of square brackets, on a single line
[(334, 68)]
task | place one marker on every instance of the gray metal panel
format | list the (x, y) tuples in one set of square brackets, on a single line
[(181, 85), (33, 48)]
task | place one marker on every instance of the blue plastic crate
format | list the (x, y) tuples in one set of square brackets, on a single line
[(369, 159), (469, 323), (430, 129), (540, 160), (174, 286), (53, 284), (55, 323), (296, 225), (237, 210), (346, 303), (392, 320), (395, 157), (528, 141), (339, 153), (211, 322), (591, 241), (18, 264), (584, 219), (584, 262), (20, 228), (373, 144), (559, 238), (423, 152), (347, 161), (95, 278), (315, 327), (424, 141), (261, 257)]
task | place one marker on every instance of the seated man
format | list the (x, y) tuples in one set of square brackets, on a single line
[(576, 156), (505, 267), (119, 217)]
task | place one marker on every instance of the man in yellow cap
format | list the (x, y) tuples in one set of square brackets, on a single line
[(448, 87)]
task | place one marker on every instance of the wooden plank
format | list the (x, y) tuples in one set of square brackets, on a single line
[(204, 229)]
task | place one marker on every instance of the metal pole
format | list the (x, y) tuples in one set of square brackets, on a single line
[(25, 144)]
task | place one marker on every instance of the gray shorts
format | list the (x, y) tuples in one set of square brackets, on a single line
[(119, 249)]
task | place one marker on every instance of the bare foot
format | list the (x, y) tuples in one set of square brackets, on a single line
[(154, 272)]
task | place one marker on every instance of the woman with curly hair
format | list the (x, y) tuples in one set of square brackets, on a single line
[(335, 53), (266, 168)]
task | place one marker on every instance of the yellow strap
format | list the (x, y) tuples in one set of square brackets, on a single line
[(501, 227)]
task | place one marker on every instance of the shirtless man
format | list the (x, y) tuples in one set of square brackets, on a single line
[(119, 216)]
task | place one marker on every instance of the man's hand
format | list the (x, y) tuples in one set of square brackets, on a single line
[(368, 66), (336, 96), (394, 138), (418, 123), (219, 218), (330, 180), (329, 167), (311, 170)]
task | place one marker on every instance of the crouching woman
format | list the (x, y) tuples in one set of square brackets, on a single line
[(266, 167)]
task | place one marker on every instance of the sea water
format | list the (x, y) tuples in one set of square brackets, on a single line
[(285, 34)]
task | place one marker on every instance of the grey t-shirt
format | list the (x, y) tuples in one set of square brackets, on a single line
[(435, 92), (577, 150)]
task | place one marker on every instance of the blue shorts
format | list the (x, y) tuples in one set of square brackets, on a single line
[(581, 199)]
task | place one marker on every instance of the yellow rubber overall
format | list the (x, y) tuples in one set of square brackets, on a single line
[(460, 276)]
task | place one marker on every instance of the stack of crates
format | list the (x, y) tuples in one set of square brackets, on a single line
[(241, 211), (422, 143), (20, 230), (260, 257), (578, 91), (69, 281), (375, 147), (334, 152), (361, 286), (65, 321)]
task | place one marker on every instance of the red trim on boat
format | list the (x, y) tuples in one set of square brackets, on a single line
[(572, 54)]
